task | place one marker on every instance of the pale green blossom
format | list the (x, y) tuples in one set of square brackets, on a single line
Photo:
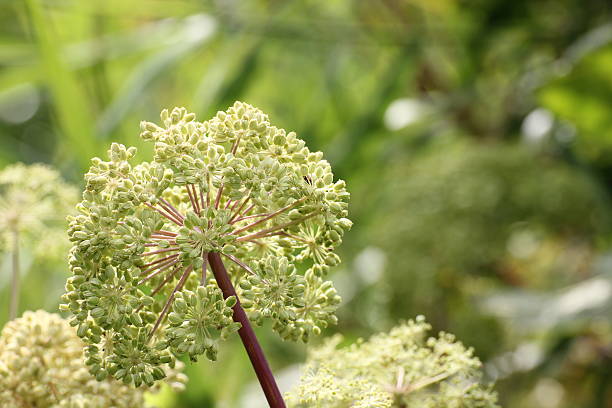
[(34, 203), (402, 368), (41, 365), (234, 185)]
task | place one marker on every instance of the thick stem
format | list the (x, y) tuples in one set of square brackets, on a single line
[(247, 335), (14, 306), (399, 403)]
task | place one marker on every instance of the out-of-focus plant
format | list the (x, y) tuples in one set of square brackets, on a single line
[(559, 336), (42, 365), (234, 186), (579, 97), (464, 212), (34, 204), (402, 368)]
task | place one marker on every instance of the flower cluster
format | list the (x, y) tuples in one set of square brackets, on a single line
[(34, 202), (197, 318), (402, 368), (41, 365), (234, 185)]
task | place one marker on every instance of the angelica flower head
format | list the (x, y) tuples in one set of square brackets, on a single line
[(34, 203), (41, 365), (234, 185), (402, 368)]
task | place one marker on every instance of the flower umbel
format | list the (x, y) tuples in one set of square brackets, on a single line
[(402, 368), (41, 365), (234, 185), (34, 202)]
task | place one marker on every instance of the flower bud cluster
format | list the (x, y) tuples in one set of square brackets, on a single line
[(207, 232), (402, 368), (274, 290), (198, 320), (315, 311), (234, 185), (41, 365)]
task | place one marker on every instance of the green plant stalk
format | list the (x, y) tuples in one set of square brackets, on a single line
[(69, 98), (14, 305)]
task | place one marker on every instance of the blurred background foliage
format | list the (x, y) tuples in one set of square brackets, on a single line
[(475, 137)]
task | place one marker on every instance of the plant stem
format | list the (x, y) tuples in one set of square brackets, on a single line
[(247, 335), (269, 216), (264, 233), (14, 306)]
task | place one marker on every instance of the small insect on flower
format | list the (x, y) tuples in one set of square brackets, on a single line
[(308, 180)]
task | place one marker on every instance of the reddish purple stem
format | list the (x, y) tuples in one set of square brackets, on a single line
[(247, 335)]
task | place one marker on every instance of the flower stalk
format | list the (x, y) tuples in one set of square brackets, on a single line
[(247, 335), (16, 277)]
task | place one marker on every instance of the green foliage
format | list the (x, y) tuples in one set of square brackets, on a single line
[(402, 368), (235, 185), (582, 99), (41, 365), (473, 210), (69, 97)]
